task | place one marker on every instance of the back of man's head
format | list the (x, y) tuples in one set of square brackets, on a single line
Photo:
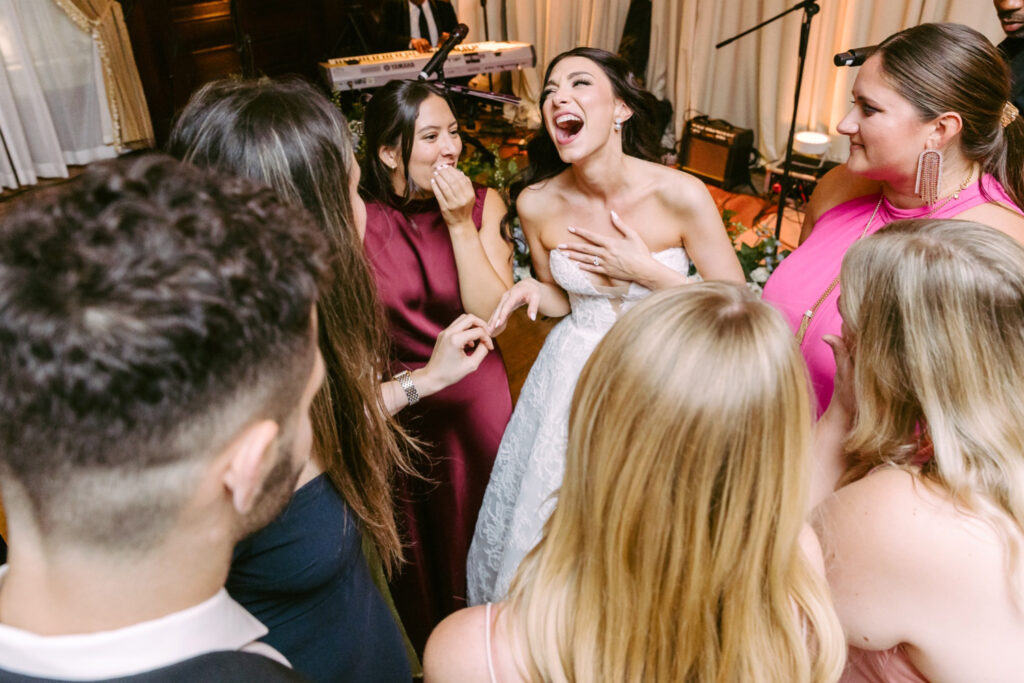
[(149, 311)]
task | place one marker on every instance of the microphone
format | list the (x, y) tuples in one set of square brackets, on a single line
[(854, 56), (436, 62)]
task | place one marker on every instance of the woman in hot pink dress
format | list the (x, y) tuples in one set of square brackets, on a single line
[(956, 105)]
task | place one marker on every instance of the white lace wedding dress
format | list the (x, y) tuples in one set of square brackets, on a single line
[(531, 459)]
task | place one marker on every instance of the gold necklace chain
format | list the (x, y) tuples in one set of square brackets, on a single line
[(805, 319)]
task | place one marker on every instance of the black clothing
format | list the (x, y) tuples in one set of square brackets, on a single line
[(395, 29), (1013, 52), (305, 577)]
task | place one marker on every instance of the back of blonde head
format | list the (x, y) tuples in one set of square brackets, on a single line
[(935, 310), (672, 554)]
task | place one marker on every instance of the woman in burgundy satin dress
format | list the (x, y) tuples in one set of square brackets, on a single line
[(435, 245)]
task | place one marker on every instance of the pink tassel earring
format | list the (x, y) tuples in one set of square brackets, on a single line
[(929, 176)]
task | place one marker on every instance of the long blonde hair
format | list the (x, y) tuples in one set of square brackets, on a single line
[(935, 310), (673, 552)]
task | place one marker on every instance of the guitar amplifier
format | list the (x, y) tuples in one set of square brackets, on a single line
[(717, 152)]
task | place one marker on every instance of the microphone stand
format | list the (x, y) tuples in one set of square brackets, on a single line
[(810, 8), (469, 92), (487, 37)]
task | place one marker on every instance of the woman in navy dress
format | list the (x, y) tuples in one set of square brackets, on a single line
[(306, 575)]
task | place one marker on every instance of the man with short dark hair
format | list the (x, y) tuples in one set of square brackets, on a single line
[(159, 359), (1011, 16)]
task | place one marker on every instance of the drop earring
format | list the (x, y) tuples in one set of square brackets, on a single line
[(618, 126), (929, 176)]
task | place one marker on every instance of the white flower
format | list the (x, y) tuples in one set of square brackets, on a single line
[(755, 288), (759, 275)]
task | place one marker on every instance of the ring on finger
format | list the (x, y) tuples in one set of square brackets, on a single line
[(597, 261)]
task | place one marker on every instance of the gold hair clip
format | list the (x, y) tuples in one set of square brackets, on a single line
[(1009, 114)]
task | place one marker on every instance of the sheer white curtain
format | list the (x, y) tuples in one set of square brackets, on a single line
[(53, 106), (751, 82), (552, 27)]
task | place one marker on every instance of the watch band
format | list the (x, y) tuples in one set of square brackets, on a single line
[(405, 380)]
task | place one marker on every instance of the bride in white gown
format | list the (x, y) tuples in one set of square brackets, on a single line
[(590, 165)]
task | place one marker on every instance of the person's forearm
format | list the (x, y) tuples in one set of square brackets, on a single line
[(659, 276), (480, 284), (829, 461), (394, 396), (554, 302)]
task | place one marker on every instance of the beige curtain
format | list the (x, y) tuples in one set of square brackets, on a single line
[(751, 82), (103, 20), (554, 26)]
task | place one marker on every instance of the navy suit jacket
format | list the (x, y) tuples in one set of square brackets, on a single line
[(395, 31)]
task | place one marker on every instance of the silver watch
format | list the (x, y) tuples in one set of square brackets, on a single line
[(405, 380)]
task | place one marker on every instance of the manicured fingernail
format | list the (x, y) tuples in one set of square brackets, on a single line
[(615, 215), (562, 246), (533, 316), (572, 229)]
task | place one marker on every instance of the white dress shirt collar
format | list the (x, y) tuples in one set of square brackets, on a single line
[(218, 623)]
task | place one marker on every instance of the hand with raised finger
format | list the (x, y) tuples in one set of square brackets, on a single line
[(455, 196), (622, 257), (449, 361), (525, 292)]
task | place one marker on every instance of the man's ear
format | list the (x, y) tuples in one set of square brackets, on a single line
[(246, 463), (388, 156)]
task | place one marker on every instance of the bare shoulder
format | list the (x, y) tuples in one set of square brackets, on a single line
[(541, 200), (678, 189), (455, 649), (999, 216), (874, 505), (836, 187), (493, 200)]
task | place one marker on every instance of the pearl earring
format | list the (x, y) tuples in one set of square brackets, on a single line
[(618, 126)]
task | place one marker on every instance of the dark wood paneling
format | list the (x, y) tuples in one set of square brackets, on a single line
[(181, 44)]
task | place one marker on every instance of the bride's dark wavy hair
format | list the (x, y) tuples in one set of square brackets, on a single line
[(640, 136)]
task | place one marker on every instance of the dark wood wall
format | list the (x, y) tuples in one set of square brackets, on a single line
[(181, 44)]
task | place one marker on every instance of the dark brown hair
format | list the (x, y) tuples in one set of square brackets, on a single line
[(943, 68), (639, 132), (287, 134), (390, 121), (149, 311)]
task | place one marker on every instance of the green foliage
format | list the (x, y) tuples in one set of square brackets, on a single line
[(757, 261), (479, 168)]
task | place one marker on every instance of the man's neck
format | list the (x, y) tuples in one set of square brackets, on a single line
[(89, 592)]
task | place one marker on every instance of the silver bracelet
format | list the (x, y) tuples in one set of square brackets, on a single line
[(405, 380)]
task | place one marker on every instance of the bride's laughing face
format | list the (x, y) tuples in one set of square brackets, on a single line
[(580, 108)]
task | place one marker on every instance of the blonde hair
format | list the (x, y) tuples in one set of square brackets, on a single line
[(935, 309), (673, 552)]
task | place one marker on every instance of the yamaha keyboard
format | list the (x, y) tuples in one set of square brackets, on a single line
[(468, 59)]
